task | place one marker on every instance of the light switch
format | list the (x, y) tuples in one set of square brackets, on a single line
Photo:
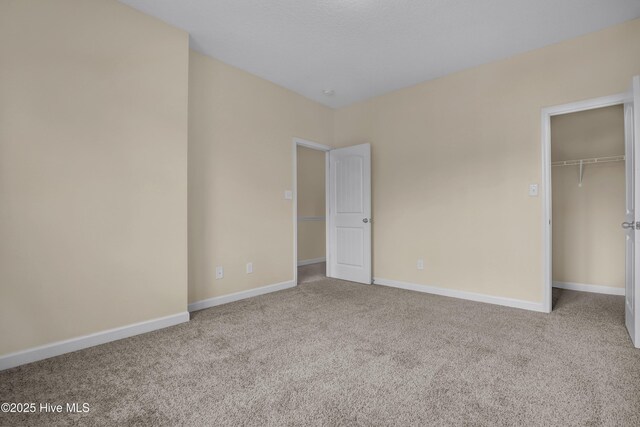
[(219, 272), (288, 195), (533, 190)]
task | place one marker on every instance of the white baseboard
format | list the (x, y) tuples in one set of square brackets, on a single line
[(224, 299), (598, 289), (34, 354), (311, 261), (472, 296)]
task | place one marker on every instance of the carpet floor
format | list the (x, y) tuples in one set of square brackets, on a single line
[(312, 272), (339, 353)]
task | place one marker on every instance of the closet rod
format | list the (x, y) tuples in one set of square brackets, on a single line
[(588, 161), (583, 162)]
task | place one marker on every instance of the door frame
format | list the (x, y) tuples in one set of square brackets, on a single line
[(300, 142), (547, 113)]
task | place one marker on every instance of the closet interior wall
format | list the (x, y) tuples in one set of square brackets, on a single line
[(588, 204)]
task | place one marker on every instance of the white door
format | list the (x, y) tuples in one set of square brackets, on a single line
[(632, 252), (349, 254)]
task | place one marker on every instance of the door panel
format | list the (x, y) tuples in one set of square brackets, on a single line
[(349, 181), (632, 261), (350, 240), (349, 254), (629, 219)]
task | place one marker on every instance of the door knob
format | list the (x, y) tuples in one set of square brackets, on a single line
[(366, 220), (629, 225)]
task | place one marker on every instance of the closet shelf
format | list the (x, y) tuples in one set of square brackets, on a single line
[(588, 161), (582, 162)]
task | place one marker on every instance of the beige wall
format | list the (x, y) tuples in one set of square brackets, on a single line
[(93, 169), (311, 203), (588, 243), (453, 158), (241, 130)]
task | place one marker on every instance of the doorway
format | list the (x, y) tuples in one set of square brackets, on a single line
[(310, 211), (554, 163), (345, 211), (630, 225)]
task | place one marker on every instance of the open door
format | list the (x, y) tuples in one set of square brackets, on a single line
[(632, 223), (349, 250)]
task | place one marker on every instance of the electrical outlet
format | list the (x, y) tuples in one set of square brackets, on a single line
[(420, 264), (219, 272), (249, 267)]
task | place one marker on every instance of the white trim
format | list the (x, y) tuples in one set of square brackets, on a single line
[(315, 146), (546, 113), (311, 261), (472, 296), (546, 211), (34, 354), (311, 144), (588, 104), (237, 296), (327, 206), (598, 289), (311, 218)]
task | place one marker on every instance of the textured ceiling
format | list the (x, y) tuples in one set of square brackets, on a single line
[(364, 48)]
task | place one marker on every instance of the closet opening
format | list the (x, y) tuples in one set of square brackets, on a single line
[(588, 204)]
